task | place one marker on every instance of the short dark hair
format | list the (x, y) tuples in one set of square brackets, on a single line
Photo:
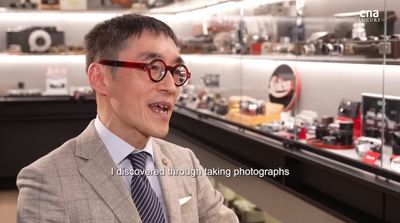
[(106, 39)]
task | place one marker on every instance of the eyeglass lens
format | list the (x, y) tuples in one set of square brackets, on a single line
[(158, 71)]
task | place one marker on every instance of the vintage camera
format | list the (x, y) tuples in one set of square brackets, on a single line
[(315, 43), (23, 4), (395, 158), (271, 127), (36, 39), (332, 48), (374, 47), (157, 3), (252, 107), (219, 104), (339, 133), (287, 121), (306, 118), (321, 130), (211, 80), (366, 144), (345, 133), (396, 142)]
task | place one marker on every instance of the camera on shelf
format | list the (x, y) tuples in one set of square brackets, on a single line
[(157, 3), (366, 144), (374, 47), (220, 106), (395, 158), (395, 142), (211, 80), (337, 133), (252, 107), (319, 43), (271, 127), (332, 48), (306, 118), (35, 39), (287, 121), (23, 4), (321, 129)]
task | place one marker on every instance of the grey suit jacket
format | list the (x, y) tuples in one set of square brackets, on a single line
[(74, 183)]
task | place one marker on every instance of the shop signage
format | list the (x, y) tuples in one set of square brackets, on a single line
[(284, 86)]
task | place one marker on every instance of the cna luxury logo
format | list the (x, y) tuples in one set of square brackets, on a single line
[(369, 16)]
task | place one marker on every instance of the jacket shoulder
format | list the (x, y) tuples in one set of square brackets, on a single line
[(48, 163)]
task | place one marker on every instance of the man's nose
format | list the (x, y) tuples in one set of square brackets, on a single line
[(168, 84)]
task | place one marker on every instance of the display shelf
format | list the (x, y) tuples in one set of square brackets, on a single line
[(188, 6), (276, 57), (346, 157), (12, 15), (41, 58), (328, 59), (347, 188), (288, 57)]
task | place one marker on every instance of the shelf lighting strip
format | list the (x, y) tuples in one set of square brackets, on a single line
[(32, 59), (45, 16)]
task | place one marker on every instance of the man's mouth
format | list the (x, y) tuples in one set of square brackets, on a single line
[(160, 107)]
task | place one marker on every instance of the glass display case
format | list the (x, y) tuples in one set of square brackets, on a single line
[(315, 79), (306, 71)]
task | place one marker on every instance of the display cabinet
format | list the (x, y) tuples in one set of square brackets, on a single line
[(306, 85), (323, 77)]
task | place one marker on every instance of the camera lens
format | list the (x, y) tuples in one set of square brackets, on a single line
[(345, 137), (327, 48), (40, 41), (346, 125), (321, 131)]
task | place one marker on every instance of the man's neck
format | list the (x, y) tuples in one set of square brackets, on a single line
[(130, 135)]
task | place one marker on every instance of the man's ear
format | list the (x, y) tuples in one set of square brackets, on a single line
[(97, 79)]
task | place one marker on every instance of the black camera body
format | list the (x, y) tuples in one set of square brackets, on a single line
[(252, 107), (36, 39), (348, 108)]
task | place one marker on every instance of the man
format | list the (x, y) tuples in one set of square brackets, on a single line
[(134, 67)]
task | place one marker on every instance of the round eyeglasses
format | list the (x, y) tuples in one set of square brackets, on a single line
[(157, 69)]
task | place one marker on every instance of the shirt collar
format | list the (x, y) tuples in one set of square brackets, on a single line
[(117, 147)]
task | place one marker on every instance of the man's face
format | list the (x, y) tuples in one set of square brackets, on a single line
[(136, 102)]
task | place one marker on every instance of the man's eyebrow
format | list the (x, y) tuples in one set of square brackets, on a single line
[(149, 56)]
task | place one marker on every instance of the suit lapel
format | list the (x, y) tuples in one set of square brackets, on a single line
[(167, 184), (96, 169)]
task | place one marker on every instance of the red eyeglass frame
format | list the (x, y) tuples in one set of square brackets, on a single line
[(144, 66)]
